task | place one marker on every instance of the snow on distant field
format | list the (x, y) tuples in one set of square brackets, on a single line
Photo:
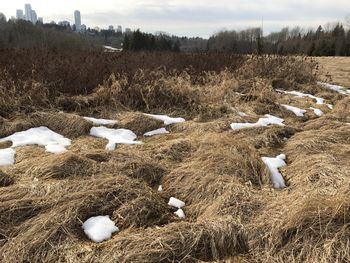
[(268, 120), (99, 228), (114, 136), (273, 164), (166, 119), (180, 213), (318, 112), (302, 95), (156, 132), (298, 112), (7, 156), (43, 136), (336, 88), (176, 202), (100, 121)]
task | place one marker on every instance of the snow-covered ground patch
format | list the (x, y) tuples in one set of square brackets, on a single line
[(273, 164), (180, 213), (100, 121), (7, 156), (298, 112), (268, 120), (114, 136), (242, 114), (330, 106), (99, 228), (160, 188), (156, 132), (318, 112), (112, 49), (176, 202), (166, 119), (43, 136), (302, 95), (335, 88)]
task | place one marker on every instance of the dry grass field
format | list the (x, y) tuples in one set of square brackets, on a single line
[(335, 69), (233, 210)]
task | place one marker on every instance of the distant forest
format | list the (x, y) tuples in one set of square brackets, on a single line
[(331, 40)]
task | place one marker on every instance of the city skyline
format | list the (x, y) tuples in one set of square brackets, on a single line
[(195, 18)]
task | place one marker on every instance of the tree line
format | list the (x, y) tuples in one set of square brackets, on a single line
[(329, 41)]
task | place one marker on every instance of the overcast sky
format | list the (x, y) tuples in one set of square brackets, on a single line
[(188, 17)]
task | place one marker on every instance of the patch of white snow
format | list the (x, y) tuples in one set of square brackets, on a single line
[(318, 112), (43, 136), (268, 120), (335, 88), (273, 164), (298, 112), (180, 213), (100, 121), (166, 119), (302, 95), (7, 156), (160, 188), (242, 114), (114, 136), (156, 132), (99, 228), (176, 202)]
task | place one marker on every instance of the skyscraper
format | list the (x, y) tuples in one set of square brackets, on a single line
[(28, 12), (34, 17), (19, 14), (77, 19), (119, 29)]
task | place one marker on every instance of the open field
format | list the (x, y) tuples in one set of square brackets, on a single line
[(235, 209), (335, 69)]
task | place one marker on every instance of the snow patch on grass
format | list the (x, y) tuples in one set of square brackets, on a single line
[(318, 112), (273, 164), (156, 132), (43, 136), (298, 112), (99, 228), (166, 119), (100, 121), (302, 95), (268, 120), (114, 136), (180, 213), (176, 202), (7, 156), (335, 88), (242, 114)]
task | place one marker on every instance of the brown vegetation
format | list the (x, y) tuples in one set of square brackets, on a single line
[(232, 212)]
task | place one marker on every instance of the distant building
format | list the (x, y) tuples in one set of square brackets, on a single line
[(28, 12), (83, 27), (19, 14), (127, 30), (2, 18), (97, 29), (77, 20), (34, 17), (40, 20), (111, 28), (119, 29), (53, 23), (64, 23)]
